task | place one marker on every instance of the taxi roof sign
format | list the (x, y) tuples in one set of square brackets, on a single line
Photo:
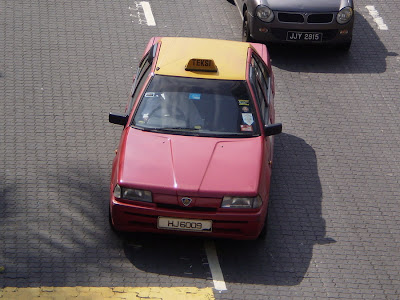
[(229, 56), (200, 64)]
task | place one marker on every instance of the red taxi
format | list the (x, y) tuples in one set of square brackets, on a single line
[(195, 154)]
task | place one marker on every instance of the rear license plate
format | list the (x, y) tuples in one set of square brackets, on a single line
[(304, 36), (184, 224)]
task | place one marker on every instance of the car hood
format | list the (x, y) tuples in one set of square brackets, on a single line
[(189, 165), (308, 5)]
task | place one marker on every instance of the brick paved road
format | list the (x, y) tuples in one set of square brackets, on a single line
[(334, 220)]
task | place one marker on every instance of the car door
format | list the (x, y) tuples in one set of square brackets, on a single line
[(261, 83)]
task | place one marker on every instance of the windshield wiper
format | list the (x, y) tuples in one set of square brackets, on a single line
[(158, 129), (178, 128), (144, 128), (196, 131)]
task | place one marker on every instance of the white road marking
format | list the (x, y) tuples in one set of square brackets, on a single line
[(216, 272), (377, 19), (148, 13)]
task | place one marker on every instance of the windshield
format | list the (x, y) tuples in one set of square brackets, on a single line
[(196, 106)]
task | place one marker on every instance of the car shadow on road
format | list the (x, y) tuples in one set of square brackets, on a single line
[(283, 258), (366, 47), (169, 255), (295, 222)]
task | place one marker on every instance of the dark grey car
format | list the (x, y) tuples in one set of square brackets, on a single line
[(298, 21)]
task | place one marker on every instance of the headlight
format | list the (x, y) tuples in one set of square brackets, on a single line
[(241, 202), (264, 13), (132, 194), (344, 15)]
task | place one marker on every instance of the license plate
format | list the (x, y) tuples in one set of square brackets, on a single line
[(184, 224), (304, 36)]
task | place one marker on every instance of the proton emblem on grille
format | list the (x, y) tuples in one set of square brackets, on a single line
[(186, 201)]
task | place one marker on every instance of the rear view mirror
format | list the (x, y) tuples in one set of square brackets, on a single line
[(273, 129), (118, 119)]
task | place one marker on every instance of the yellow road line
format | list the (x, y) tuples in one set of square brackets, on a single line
[(99, 293)]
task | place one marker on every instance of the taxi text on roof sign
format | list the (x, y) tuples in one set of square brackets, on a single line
[(198, 64)]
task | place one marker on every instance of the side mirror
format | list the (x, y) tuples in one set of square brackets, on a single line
[(118, 119), (273, 129)]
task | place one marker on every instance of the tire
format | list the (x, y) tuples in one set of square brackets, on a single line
[(110, 222), (245, 29), (264, 231), (345, 47), (120, 235)]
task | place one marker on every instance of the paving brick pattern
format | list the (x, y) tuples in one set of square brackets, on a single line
[(334, 218)]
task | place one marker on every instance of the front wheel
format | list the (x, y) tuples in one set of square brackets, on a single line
[(264, 231), (110, 222), (344, 46), (245, 29)]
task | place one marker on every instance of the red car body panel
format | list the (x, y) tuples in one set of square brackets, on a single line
[(203, 168), (190, 165)]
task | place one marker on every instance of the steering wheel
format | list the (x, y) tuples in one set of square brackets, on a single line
[(180, 115)]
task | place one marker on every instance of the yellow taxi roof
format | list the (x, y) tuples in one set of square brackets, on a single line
[(229, 57)]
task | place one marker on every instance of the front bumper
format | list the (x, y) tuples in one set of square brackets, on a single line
[(333, 33), (138, 217)]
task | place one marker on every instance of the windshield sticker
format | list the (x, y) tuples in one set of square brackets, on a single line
[(243, 102), (245, 109), (193, 96), (248, 118), (149, 94), (246, 128)]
